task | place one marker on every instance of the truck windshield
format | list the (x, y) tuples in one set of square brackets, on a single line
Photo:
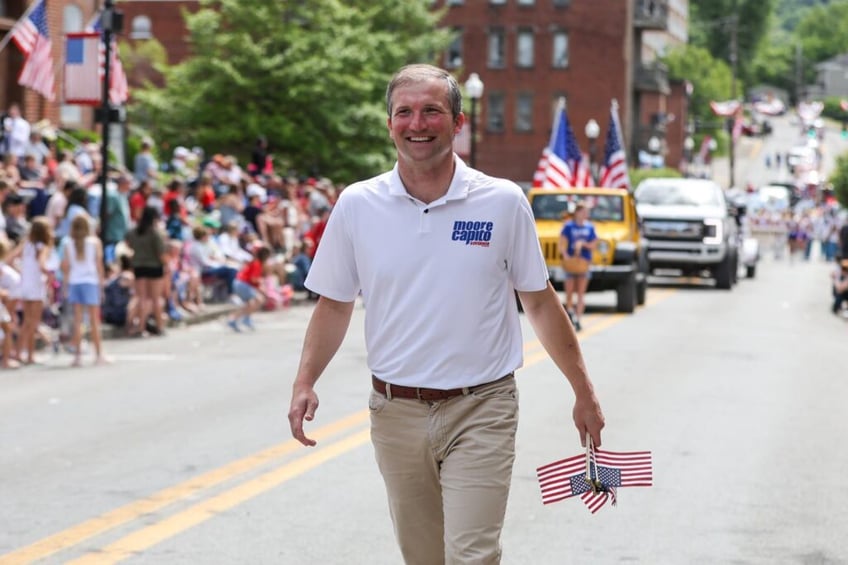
[(678, 194), (602, 207)]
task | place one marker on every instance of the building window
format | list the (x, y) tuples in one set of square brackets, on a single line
[(560, 55), (526, 2), (561, 3), (453, 58), (524, 48), (495, 112), (142, 28), (454, 2), (72, 19), (497, 2), (497, 48), (524, 112)]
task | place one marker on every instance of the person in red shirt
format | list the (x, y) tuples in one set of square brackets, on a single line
[(248, 287), (176, 190), (205, 193), (138, 200)]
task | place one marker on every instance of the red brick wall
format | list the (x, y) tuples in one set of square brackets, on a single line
[(599, 70)]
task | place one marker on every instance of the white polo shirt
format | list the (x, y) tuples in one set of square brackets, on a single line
[(436, 279)]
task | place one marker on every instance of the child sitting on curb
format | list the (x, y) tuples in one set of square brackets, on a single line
[(249, 288)]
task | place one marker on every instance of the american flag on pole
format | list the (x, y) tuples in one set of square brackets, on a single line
[(119, 91), (567, 478), (32, 37), (82, 69), (614, 168), (562, 164)]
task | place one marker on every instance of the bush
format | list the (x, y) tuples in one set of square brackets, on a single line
[(839, 180), (638, 175)]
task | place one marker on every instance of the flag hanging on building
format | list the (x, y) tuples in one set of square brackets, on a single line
[(614, 167), (562, 164), (32, 37), (119, 91), (82, 69)]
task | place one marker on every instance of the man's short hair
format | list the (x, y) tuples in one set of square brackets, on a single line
[(413, 74)]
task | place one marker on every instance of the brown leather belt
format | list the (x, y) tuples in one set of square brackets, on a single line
[(427, 394)]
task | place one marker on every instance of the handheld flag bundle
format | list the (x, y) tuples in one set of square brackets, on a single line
[(595, 477)]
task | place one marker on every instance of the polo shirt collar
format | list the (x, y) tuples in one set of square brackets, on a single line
[(457, 190)]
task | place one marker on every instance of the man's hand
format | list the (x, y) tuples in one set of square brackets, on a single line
[(304, 403), (588, 418)]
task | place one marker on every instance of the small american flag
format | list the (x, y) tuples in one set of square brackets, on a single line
[(562, 164), (614, 169), (119, 91), (32, 37), (567, 478)]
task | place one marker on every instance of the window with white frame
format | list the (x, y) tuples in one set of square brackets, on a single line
[(497, 2), (495, 109), (497, 48), (524, 112), (526, 2), (560, 53), (453, 58), (524, 48)]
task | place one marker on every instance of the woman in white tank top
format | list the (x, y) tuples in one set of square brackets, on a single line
[(35, 254), (82, 267)]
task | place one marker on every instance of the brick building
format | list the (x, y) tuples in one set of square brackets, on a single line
[(528, 53), (143, 19)]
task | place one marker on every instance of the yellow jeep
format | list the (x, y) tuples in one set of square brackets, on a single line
[(618, 261)]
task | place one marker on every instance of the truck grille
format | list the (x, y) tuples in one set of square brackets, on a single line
[(673, 230)]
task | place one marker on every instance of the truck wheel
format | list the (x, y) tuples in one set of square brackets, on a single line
[(750, 271), (626, 294), (641, 291), (724, 274)]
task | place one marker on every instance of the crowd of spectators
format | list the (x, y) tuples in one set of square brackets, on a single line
[(181, 230)]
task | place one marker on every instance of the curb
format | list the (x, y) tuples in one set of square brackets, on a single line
[(211, 312)]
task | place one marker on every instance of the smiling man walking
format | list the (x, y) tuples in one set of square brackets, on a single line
[(436, 250)]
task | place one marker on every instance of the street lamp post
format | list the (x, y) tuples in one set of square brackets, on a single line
[(474, 90), (593, 130), (111, 22)]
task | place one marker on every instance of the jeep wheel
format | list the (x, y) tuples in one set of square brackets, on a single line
[(724, 274), (626, 294), (641, 291), (750, 271)]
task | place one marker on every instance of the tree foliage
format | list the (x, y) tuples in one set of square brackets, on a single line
[(712, 22), (710, 78), (839, 179), (310, 76), (823, 31)]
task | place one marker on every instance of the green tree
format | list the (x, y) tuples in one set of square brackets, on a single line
[(710, 78), (711, 24), (774, 62), (823, 33), (839, 179), (310, 76)]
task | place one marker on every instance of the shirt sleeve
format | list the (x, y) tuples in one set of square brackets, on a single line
[(527, 269)]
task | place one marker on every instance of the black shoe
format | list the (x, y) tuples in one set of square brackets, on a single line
[(577, 326)]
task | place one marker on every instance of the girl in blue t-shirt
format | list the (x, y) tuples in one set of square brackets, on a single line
[(577, 239)]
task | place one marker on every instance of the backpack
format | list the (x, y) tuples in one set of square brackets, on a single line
[(115, 302)]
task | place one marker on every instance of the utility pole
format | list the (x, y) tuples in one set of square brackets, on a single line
[(734, 55), (111, 22)]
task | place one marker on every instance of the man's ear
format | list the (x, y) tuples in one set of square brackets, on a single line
[(458, 123)]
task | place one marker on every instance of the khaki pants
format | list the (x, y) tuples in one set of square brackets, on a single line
[(447, 466)]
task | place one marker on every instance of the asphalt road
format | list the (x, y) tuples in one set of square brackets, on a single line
[(179, 453)]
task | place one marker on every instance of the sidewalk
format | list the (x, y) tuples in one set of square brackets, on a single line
[(209, 313)]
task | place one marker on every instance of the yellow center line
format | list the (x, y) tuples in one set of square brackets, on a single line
[(134, 510), (151, 535)]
